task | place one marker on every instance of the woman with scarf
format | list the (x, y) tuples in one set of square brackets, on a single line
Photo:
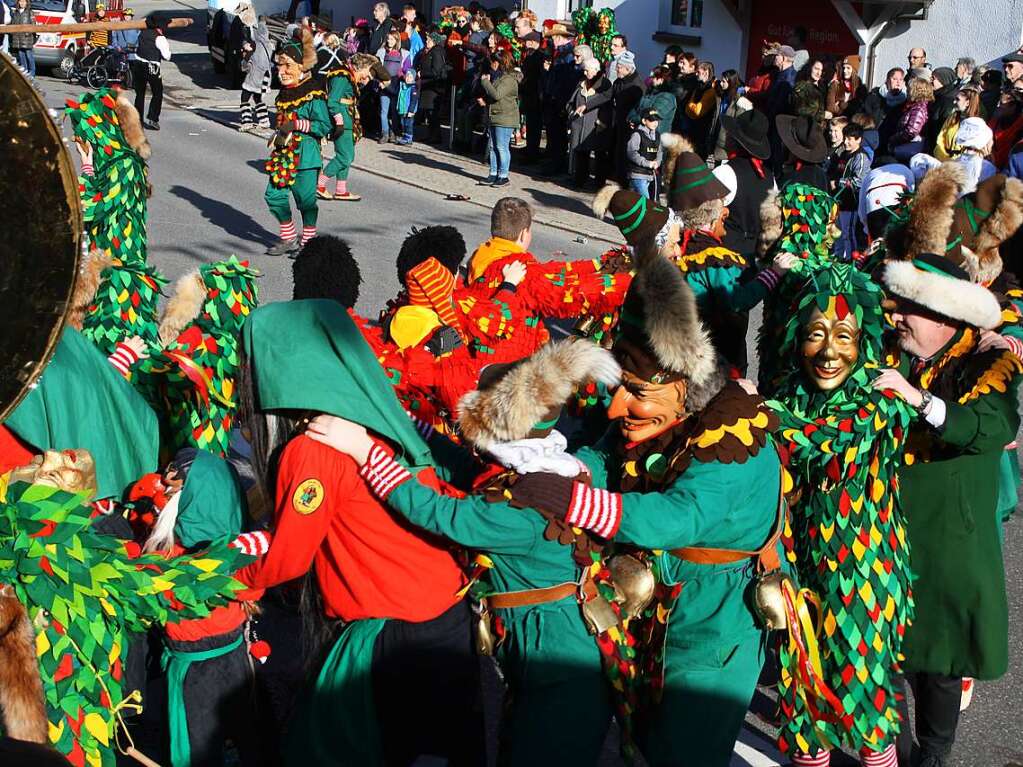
[(847, 538), (846, 91)]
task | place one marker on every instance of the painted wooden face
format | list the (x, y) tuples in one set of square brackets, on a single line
[(289, 71), (831, 346), (603, 24), (643, 409)]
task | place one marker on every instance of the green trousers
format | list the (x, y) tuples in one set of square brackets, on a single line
[(559, 703), (344, 156), (304, 192), (707, 691)]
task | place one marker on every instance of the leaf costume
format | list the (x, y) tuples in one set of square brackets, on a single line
[(90, 592), (587, 23), (847, 538), (125, 305), (196, 370), (114, 196)]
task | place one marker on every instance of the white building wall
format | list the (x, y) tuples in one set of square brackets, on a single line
[(985, 30)]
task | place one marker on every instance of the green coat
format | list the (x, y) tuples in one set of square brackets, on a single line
[(714, 647), (561, 703), (306, 102), (503, 97), (341, 100), (950, 493)]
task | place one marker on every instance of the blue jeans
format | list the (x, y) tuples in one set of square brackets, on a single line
[(27, 60), (385, 113), (500, 150), (640, 186), (408, 127)]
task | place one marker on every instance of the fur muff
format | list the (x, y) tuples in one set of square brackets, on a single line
[(673, 145), (131, 126), (510, 408), (982, 260), (949, 297), (602, 200), (183, 307), (86, 285), (22, 706), (930, 219), (672, 323), (770, 223)]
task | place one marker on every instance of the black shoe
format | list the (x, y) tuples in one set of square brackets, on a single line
[(151, 124), (488, 181), (501, 182)]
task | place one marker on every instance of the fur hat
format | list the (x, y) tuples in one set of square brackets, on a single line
[(661, 337), (693, 183), (935, 283), (511, 400), (970, 229), (637, 217)]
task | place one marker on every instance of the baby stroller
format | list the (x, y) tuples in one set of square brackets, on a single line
[(100, 67)]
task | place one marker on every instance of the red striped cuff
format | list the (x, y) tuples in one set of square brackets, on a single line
[(123, 358), (339, 119), (254, 544), (302, 126), (595, 509), (87, 169), (1015, 345), (769, 278), (382, 473)]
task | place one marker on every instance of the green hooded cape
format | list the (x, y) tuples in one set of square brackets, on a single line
[(309, 355), (211, 503), (82, 402)]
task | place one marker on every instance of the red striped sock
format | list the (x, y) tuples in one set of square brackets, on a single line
[(288, 230), (308, 232), (341, 187), (821, 759), (886, 758), (322, 181)]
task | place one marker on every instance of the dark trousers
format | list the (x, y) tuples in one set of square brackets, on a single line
[(557, 138), (141, 77), (936, 699), (534, 128), (427, 690)]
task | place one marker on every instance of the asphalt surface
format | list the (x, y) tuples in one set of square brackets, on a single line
[(207, 204)]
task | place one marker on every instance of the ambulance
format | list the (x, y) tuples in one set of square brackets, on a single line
[(58, 50)]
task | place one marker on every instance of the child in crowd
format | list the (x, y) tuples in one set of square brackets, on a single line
[(259, 55), (408, 105), (853, 166), (644, 154), (836, 146), (871, 136)]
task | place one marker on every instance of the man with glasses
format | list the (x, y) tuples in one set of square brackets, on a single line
[(1012, 67), (619, 45), (918, 59)]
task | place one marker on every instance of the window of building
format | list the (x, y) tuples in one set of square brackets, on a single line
[(687, 13), (575, 5)]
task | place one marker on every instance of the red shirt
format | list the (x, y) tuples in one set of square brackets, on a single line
[(369, 563)]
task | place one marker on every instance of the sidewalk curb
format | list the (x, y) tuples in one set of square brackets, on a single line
[(541, 219)]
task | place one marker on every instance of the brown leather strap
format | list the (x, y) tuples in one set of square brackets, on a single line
[(766, 555), (531, 597)]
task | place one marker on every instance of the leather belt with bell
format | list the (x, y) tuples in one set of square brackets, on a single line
[(533, 597)]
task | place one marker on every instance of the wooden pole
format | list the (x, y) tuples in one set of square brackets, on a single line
[(89, 26)]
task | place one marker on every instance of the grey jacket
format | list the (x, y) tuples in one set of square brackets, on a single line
[(259, 60), (635, 158)]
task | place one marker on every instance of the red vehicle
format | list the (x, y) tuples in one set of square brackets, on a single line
[(53, 49)]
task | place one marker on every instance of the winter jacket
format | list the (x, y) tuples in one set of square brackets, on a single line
[(532, 74), (734, 109), (911, 125), (944, 145), (591, 129), (260, 60), (23, 41), (778, 97), (560, 80), (434, 71), (635, 156), (855, 168), (701, 118), (378, 37), (879, 103), (626, 93), (843, 99), (397, 63), (661, 99), (503, 96)]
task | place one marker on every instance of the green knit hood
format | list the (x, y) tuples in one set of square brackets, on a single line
[(309, 355)]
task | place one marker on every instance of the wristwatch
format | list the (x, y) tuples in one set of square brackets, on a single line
[(925, 402)]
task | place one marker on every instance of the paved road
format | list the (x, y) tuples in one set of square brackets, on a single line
[(207, 204)]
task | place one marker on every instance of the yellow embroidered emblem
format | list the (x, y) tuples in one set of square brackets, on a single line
[(308, 496)]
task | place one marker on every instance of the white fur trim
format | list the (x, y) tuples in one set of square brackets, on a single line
[(949, 297)]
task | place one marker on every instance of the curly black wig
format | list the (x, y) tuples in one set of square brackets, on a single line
[(445, 243), (325, 268)]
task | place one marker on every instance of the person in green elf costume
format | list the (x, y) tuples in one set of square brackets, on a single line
[(124, 305), (966, 399), (690, 235), (399, 677), (539, 572), (114, 183), (844, 440), (344, 79), (690, 465), (295, 160)]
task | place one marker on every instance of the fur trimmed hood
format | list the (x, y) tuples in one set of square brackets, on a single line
[(530, 389), (183, 307), (86, 284), (954, 298), (131, 126)]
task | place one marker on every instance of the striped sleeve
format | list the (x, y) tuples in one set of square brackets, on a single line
[(382, 473), (1015, 345), (87, 169), (595, 509), (254, 544), (768, 278), (123, 358), (302, 125)]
